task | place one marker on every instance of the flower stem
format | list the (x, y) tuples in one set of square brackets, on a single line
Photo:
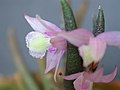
[(74, 61)]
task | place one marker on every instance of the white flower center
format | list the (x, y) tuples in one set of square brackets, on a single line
[(39, 43)]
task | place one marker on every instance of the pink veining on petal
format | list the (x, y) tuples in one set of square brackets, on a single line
[(52, 26), (97, 48), (77, 37), (41, 26), (112, 37), (108, 78)]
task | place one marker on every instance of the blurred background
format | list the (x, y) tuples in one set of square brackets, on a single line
[(15, 62)]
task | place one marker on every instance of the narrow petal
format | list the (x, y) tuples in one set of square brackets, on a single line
[(81, 84), (52, 59), (96, 76), (97, 48), (108, 78), (50, 62), (41, 25), (73, 76), (37, 44), (112, 37), (77, 37)]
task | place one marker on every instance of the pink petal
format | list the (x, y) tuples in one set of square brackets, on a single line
[(81, 83), (97, 48), (41, 25), (77, 37), (73, 76), (85, 84), (96, 76), (59, 43), (110, 77), (112, 38), (52, 59)]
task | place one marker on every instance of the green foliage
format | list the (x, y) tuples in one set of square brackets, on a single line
[(99, 22)]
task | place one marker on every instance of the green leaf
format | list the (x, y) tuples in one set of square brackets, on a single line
[(74, 61), (69, 19)]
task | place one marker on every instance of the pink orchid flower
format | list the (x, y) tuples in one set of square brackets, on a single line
[(91, 48), (44, 40), (84, 80)]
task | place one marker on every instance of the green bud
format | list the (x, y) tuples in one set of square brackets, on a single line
[(99, 22)]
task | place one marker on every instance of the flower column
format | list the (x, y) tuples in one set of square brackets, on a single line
[(74, 61)]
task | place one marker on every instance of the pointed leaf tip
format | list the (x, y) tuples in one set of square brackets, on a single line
[(99, 7)]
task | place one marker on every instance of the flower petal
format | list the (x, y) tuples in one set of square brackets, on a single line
[(112, 37), (96, 76), (110, 77), (97, 48), (77, 37), (72, 77), (37, 54), (41, 25), (37, 44), (52, 59), (81, 83)]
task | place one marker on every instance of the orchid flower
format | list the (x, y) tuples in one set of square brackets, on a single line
[(83, 80), (91, 48), (44, 40)]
